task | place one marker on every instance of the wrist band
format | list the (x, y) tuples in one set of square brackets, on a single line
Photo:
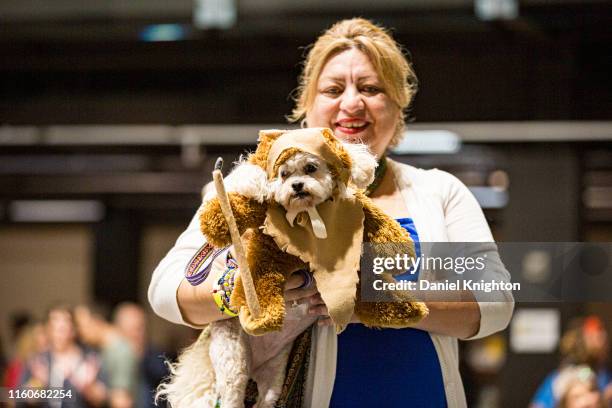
[(222, 290), (200, 265), (307, 279)]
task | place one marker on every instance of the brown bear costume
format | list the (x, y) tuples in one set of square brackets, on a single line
[(275, 248)]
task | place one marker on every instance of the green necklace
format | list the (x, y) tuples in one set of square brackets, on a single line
[(379, 174)]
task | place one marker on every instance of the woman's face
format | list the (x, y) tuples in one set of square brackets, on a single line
[(351, 100), (60, 329)]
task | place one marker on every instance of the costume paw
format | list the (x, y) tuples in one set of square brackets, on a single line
[(391, 315), (264, 324)]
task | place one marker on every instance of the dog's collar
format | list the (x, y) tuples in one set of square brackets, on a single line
[(316, 222)]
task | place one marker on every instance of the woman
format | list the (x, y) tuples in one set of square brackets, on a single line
[(584, 344), (576, 387), (357, 82), (66, 365)]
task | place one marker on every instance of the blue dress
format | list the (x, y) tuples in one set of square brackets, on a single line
[(389, 367)]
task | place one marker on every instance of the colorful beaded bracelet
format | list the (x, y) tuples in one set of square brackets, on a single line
[(222, 290)]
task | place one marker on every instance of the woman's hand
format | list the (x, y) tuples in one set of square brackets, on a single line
[(317, 308), (39, 368), (311, 297), (295, 293), (269, 345)]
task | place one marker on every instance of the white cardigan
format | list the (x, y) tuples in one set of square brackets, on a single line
[(442, 209)]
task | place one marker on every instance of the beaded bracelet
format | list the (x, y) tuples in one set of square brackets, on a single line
[(222, 290)]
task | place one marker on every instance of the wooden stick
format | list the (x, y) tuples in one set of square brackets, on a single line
[(245, 273)]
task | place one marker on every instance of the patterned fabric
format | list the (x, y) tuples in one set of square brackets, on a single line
[(199, 266), (292, 395)]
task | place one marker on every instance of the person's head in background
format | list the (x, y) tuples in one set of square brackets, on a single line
[(92, 324), (576, 387), (19, 321), (60, 329), (356, 81), (130, 319), (585, 342), (32, 340)]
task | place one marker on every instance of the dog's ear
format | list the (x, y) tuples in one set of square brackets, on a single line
[(363, 164)]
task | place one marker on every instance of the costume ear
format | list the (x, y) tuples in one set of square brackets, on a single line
[(363, 164), (265, 140), (270, 135)]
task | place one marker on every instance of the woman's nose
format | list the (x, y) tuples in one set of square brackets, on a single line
[(352, 101)]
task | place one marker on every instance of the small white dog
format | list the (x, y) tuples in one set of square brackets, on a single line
[(220, 363)]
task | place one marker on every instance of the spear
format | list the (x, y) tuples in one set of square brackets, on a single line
[(245, 273)]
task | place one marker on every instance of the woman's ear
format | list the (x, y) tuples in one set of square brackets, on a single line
[(363, 164)]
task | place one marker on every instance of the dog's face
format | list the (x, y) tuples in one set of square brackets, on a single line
[(303, 181)]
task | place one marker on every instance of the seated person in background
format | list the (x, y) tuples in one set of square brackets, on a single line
[(118, 359)]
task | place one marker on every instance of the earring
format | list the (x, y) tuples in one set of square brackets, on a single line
[(303, 123)]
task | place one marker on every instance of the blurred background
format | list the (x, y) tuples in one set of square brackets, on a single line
[(113, 112)]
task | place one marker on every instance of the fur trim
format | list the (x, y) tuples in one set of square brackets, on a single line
[(248, 213), (248, 180), (364, 164)]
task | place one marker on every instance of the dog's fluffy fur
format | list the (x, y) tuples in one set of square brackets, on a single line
[(219, 363)]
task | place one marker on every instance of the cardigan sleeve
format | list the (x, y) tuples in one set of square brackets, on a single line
[(465, 222), (170, 271)]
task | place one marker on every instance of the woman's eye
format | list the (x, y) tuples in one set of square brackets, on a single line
[(310, 168), (332, 91), (370, 89)]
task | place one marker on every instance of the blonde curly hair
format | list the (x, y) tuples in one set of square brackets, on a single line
[(385, 54)]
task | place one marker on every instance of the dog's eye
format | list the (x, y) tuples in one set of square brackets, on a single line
[(310, 168), (284, 174)]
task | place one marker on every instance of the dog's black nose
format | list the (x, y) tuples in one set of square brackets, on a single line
[(297, 186)]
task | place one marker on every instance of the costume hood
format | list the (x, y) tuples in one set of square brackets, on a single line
[(333, 259)]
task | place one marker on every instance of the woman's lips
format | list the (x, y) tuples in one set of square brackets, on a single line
[(351, 129)]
